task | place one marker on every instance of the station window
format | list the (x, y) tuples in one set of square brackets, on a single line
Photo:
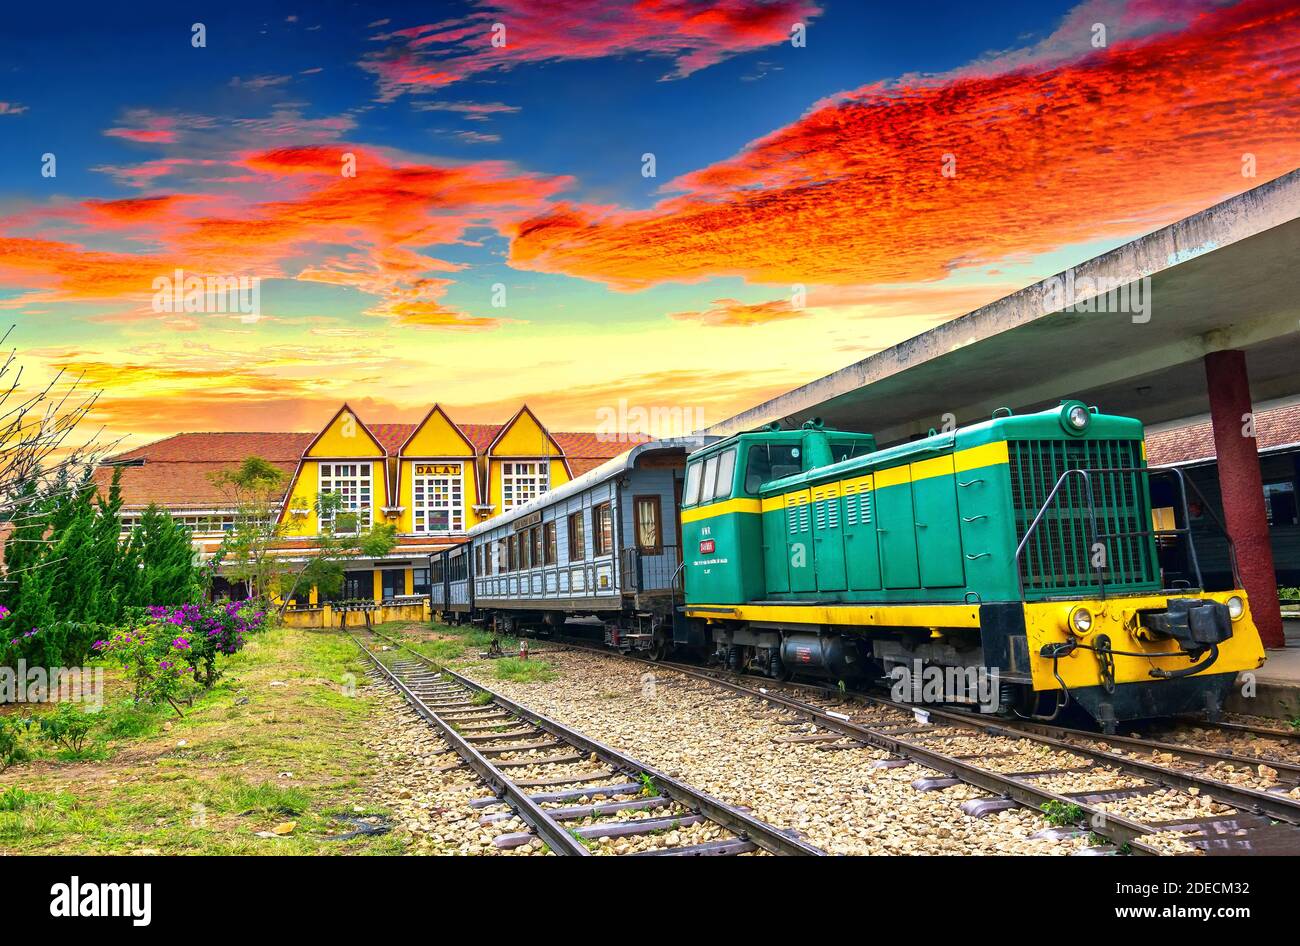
[(770, 461), (577, 537), (602, 529), (352, 481), (437, 503), (420, 581), (393, 583), (648, 537), (1279, 503), (548, 537), (521, 482)]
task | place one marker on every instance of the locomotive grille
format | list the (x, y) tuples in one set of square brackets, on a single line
[(1058, 559)]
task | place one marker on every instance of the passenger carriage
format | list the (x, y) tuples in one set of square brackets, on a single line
[(604, 545)]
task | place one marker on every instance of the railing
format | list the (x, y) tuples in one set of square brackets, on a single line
[(649, 571), (1100, 564)]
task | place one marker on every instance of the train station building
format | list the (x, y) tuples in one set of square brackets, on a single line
[(433, 480)]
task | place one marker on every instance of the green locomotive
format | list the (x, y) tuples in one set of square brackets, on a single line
[(1021, 548)]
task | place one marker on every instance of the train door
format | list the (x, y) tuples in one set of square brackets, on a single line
[(938, 534), (828, 538), (776, 571), (897, 528), (799, 545), (861, 554)]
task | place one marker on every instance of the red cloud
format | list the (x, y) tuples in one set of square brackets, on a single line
[(694, 33), (1125, 138)]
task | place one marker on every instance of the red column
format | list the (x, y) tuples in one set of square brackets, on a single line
[(1243, 489)]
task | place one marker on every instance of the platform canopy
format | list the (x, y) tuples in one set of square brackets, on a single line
[(1225, 278)]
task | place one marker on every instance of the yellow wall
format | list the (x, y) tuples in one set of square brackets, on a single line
[(335, 443)]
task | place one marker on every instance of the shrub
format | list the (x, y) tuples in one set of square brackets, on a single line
[(68, 727), (157, 664), (11, 746)]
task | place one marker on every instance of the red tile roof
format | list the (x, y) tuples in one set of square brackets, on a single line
[(1275, 427), (178, 470)]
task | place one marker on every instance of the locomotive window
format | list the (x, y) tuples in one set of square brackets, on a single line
[(692, 483), (847, 451), (726, 473), (577, 538), (770, 461), (710, 474)]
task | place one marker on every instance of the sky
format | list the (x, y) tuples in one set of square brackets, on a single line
[(584, 205)]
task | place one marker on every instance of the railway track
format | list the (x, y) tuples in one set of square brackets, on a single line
[(1182, 791), (577, 791)]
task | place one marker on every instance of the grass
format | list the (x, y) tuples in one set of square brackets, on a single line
[(523, 671), (247, 756)]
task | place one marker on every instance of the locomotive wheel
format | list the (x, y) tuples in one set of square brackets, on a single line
[(659, 649)]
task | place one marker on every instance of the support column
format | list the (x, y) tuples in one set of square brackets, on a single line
[(1242, 487)]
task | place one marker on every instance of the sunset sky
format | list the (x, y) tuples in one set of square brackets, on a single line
[(521, 166)]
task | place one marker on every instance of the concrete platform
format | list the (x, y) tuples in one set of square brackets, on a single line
[(1277, 683)]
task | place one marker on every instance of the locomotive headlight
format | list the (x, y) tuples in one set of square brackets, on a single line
[(1080, 620), (1236, 607), (1078, 417)]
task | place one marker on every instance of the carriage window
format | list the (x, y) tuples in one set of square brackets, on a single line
[(536, 533), (602, 529), (435, 570), (648, 538), (770, 461), (692, 483), (514, 552), (478, 560), (525, 560), (577, 538), (548, 534)]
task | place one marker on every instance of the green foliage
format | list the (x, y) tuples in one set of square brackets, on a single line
[(69, 727), (338, 544), (481, 698), (14, 799), (254, 489), (70, 575), (1060, 814), (12, 750), (647, 784)]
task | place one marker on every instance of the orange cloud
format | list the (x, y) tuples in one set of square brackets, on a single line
[(735, 312), (693, 33), (854, 192)]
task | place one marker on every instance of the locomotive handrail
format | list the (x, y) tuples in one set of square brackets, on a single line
[(1186, 530)]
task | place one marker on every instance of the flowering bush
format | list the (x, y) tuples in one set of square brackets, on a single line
[(150, 658), (202, 632)]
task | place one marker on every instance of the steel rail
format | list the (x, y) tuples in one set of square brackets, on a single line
[(1271, 804), (534, 815), (740, 823), (1117, 828)]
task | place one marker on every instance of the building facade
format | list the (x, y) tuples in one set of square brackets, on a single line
[(432, 481)]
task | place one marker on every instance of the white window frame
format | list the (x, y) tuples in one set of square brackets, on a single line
[(363, 486), (535, 481), (425, 500)]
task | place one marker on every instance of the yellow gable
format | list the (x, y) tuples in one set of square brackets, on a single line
[(437, 437), (524, 437), (345, 436)]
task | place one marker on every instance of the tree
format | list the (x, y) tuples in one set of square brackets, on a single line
[(255, 489), (339, 542), (163, 551)]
